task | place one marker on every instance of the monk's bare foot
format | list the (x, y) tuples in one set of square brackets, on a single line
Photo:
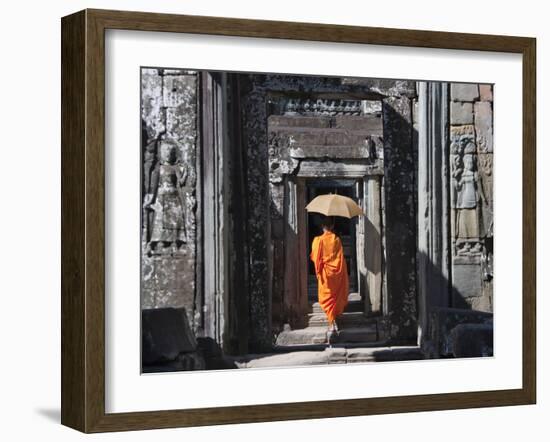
[(332, 335)]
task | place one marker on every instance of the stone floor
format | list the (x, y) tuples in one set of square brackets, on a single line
[(329, 355)]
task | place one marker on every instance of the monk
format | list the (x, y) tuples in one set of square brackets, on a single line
[(332, 274)]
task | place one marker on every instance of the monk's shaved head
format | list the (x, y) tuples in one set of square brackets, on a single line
[(327, 222)]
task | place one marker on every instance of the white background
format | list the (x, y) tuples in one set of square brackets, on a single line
[(30, 262)]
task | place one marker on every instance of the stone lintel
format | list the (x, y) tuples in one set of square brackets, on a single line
[(336, 169), (334, 152), (385, 87)]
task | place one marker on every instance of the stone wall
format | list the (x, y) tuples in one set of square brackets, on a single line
[(169, 183), (471, 165)]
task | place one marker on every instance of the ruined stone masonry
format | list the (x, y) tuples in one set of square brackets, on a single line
[(169, 180), (471, 164)]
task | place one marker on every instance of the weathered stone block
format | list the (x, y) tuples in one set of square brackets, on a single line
[(165, 335), (462, 113), (165, 273), (370, 124), (464, 92), (383, 354), (385, 87), (337, 137), (363, 334), (484, 126), (298, 121), (486, 92), (363, 354), (181, 125), (183, 277), (485, 169), (472, 340), (178, 89), (443, 320), (485, 302), (307, 137), (184, 362), (309, 335), (151, 99), (333, 152), (168, 298), (147, 298), (147, 273), (336, 355), (467, 280)]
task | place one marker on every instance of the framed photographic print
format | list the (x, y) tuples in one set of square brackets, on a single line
[(267, 220)]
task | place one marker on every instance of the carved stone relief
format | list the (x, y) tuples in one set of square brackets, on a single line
[(471, 166), (169, 133), (328, 107), (468, 193)]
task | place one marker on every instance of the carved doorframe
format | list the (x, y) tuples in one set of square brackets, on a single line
[(369, 239), (289, 239), (399, 305)]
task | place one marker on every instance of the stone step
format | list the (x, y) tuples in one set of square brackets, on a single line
[(318, 335), (353, 306), (346, 320), (308, 335)]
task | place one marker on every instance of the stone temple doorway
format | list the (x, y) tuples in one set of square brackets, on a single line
[(317, 153), (292, 130), (344, 228)]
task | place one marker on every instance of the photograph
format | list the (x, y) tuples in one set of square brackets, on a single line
[(304, 220)]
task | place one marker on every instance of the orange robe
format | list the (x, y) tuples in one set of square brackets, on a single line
[(332, 274)]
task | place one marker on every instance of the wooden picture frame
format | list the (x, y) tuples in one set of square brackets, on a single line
[(83, 218)]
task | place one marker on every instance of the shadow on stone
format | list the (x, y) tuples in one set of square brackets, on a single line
[(452, 330), (472, 340), (168, 343)]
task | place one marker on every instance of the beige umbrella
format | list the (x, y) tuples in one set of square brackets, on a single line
[(334, 205)]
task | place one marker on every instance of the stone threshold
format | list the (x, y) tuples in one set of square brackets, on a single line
[(322, 346), (328, 356)]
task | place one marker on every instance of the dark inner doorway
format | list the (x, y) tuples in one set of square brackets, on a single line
[(344, 228)]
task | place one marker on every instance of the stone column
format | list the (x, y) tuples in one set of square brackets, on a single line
[(214, 208), (373, 245), (258, 224), (400, 219), (238, 267), (433, 255)]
